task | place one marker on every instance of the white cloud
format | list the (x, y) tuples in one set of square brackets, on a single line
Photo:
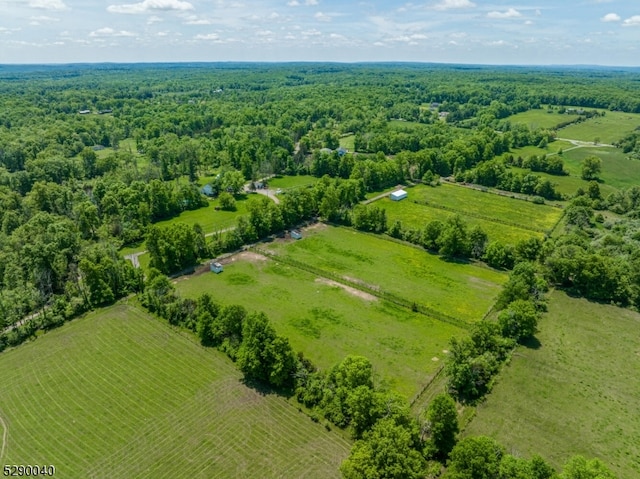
[(528, 22), (293, 3), (511, 13), (311, 2), (208, 36), (40, 19), (154, 19), (48, 4), (450, 4), (195, 20), (322, 17), (110, 32), (632, 21), (308, 3), (611, 17), (150, 6), (5, 30)]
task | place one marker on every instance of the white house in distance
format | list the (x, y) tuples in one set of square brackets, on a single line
[(398, 195)]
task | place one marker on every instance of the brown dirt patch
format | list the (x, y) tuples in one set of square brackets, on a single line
[(249, 256), (348, 289), (315, 226)]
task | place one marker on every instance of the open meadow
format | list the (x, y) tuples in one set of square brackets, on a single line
[(504, 219), (120, 394), (603, 129), (574, 393), (541, 118), (327, 321), (617, 170), (465, 291)]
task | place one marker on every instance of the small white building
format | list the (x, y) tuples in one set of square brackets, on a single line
[(295, 234), (215, 267), (398, 195)]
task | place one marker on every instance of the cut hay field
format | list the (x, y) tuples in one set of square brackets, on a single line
[(607, 129), (327, 321), (576, 394), (465, 291), (348, 142), (617, 171), (119, 394), (553, 147)]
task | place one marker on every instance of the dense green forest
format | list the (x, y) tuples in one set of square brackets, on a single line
[(92, 158)]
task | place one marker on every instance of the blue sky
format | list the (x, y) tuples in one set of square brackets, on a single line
[(604, 32)]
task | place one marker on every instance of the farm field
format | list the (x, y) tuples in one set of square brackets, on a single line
[(617, 171), (553, 147), (574, 394), (119, 394), (525, 214), (327, 322), (464, 291), (286, 182), (416, 216), (607, 129), (540, 118)]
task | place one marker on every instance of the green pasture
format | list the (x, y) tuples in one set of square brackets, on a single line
[(463, 290), (568, 184), (470, 201), (540, 118), (120, 394), (553, 147), (617, 170), (327, 322), (348, 142), (607, 129), (416, 216), (574, 393), (287, 182), (209, 218)]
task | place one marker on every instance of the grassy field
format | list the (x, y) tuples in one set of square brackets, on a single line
[(607, 129), (464, 291), (553, 147), (119, 394), (504, 219), (617, 170), (328, 322), (470, 201), (416, 216), (286, 182), (540, 118), (577, 393), (348, 142)]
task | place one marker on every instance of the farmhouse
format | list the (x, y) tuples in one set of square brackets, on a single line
[(215, 267), (398, 195)]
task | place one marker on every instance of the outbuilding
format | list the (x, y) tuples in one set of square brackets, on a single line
[(215, 267), (295, 234), (398, 195)]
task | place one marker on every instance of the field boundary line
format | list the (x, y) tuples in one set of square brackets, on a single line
[(384, 295), (427, 386), (4, 437)]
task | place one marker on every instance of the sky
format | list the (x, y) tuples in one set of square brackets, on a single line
[(527, 32)]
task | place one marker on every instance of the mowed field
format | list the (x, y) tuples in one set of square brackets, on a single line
[(119, 394), (465, 291), (617, 170), (503, 218), (327, 321), (607, 129), (540, 118), (577, 393)]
